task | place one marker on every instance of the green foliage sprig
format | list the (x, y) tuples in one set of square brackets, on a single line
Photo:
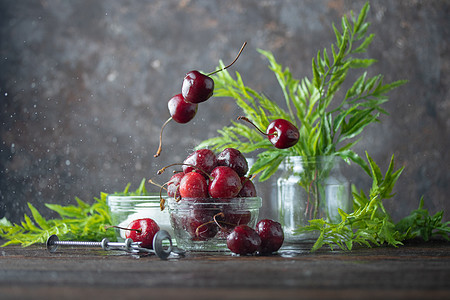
[(83, 222), (370, 224), (323, 130), (421, 224)]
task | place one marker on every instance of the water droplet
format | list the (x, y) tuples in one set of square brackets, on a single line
[(67, 162), (6, 94), (156, 64)]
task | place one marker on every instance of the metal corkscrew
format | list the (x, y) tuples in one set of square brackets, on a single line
[(128, 245)]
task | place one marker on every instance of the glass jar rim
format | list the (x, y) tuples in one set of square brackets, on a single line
[(317, 157), (124, 197)]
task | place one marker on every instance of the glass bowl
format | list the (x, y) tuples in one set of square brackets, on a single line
[(203, 224), (125, 209)]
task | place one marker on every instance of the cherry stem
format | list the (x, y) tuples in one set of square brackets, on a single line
[(158, 152), (247, 179), (221, 214), (162, 201), (123, 228), (247, 120), (183, 164), (237, 56), (197, 230), (161, 187), (157, 184)]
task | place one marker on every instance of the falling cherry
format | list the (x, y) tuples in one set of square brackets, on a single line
[(280, 132)]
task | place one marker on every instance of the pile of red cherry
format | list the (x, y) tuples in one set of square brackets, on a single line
[(206, 187)]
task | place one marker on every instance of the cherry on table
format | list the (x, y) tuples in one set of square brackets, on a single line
[(271, 234), (243, 240), (142, 230)]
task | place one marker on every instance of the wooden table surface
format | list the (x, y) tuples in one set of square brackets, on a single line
[(416, 270)]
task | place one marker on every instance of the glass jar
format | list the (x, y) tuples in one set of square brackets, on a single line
[(311, 188), (124, 209)]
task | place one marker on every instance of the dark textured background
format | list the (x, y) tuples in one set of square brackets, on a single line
[(84, 88)]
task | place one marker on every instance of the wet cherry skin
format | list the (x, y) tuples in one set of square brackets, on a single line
[(234, 159), (180, 110), (173, 185), (197, 87), (203, 159), (271, 234), (248, 188), (225, 183), (193, 185), (243, 240), (142, 230), (282, 133)]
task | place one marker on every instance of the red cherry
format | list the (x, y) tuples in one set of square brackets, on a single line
[(142, 230), (197, 87), (234, 159), (173, 185), (282, 133), (180, 110), (225, 183), (193, 185), (248, 188), (203, 159), (243, 240), (199, 222), (196, 217), (271, 234)]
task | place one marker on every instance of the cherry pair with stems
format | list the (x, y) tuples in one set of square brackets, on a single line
[(198, 87)]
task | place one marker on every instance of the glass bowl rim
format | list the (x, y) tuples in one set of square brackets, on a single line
[(254, 201)]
